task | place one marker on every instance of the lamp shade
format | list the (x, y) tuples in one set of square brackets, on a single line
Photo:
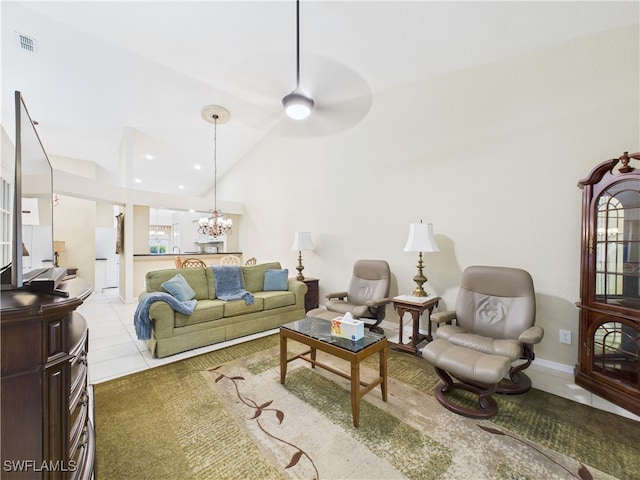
[(421, 238), (302, 241), (58, 246)]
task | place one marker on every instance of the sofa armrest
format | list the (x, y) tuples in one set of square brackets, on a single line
[(163, 317), (340, 295), (299, 289), (447, 316)]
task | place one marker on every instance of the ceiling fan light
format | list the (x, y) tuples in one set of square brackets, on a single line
[(297, 105)]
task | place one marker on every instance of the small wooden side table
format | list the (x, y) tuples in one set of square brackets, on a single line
[(312, 298), (415, 306)]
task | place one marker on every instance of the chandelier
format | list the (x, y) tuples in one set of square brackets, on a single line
[(217, 224)]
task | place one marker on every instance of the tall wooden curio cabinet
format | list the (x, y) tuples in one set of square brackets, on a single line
[(610, 283)]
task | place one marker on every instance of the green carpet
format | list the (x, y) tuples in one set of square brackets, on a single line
[(607, 441), (164, 423), (186, 420)]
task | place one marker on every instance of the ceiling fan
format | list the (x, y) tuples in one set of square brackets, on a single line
[(344, 96), (297, 104)]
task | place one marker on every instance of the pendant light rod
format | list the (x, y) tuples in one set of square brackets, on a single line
[(297, 104), (297, 44), (217, 224), (215, 161)]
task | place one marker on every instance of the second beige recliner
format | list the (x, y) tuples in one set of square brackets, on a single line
[(493, 337), (367, 295)]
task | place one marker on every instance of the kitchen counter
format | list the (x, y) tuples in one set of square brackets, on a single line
[(186, 254), (148, 262)]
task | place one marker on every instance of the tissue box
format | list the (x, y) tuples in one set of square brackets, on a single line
[(347, 328)]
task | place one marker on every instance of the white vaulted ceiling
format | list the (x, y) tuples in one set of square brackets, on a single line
[(100, 68)]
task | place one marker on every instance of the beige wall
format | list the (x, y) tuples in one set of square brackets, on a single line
[(491, 156), (75, 224), (140, 229)]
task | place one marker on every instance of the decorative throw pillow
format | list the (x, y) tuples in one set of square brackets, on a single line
[(276, 279), (179, 288)]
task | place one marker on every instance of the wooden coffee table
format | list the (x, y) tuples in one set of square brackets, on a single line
[(316, 333)]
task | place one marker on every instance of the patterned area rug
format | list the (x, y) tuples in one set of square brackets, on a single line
[(226, 415)]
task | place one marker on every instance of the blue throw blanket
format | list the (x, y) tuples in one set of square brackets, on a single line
[(141, 319), (229, 284)]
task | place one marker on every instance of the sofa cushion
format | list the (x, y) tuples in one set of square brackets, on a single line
[(240, 307), (254, 275), (277, 299), (276, 279), (197, 278), (206, 311), (179, 288)]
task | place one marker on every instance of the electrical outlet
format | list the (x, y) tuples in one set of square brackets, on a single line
[(565, 336)]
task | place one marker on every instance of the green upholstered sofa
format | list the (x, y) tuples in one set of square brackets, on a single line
[(214, 320)]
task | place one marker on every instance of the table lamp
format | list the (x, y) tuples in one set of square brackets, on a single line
[(301, 241), (58, 248), (420, 240)]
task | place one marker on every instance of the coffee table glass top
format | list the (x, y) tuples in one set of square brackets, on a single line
[(320, 329)]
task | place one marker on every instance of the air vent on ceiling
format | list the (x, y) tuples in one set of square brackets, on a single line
[(27, 43)]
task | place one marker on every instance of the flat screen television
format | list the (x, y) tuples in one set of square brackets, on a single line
[(27, 211)]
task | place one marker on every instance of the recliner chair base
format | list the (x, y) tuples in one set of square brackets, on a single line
[(486, 407), (518, 383), (374, 326)]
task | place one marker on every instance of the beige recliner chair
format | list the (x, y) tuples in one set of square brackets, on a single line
[(367, 295), (493, 336)]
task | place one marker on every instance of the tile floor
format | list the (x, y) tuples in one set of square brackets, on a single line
[(114, 351)]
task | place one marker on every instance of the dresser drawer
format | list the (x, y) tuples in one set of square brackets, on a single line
[(78, 379), (78, 423)]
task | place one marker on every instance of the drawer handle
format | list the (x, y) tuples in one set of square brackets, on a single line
[(84, 399)]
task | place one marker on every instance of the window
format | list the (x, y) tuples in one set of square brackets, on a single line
[(6, 218), (159, 238)]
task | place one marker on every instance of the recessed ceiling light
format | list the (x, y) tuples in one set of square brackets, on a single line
[(181, 187), (148, 156), (197, 167), (137, 180)]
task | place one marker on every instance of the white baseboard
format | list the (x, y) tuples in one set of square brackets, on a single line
[(560, 367)]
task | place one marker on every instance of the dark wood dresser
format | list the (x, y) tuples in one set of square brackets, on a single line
[(46, 427)]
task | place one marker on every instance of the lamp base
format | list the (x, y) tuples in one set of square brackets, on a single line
[(300, 267), (419, 292), (420, 279)]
